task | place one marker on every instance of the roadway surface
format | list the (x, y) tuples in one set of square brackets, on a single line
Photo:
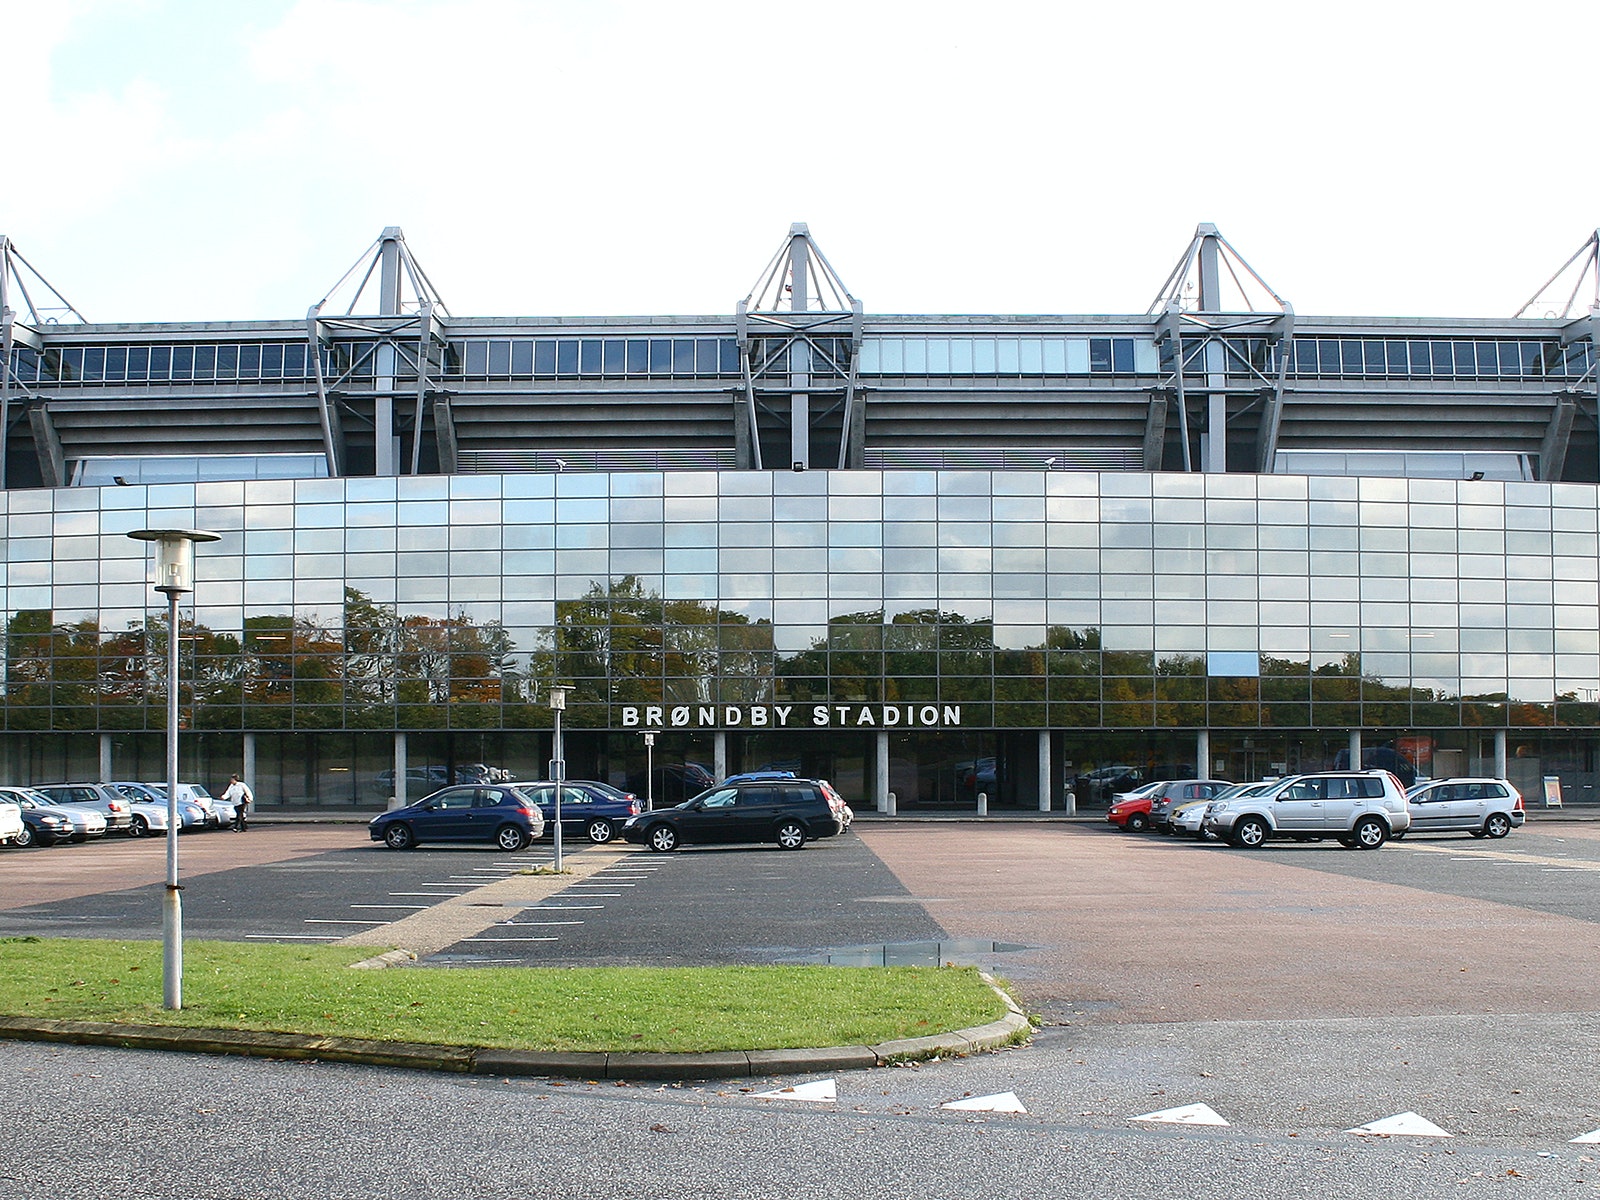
[(1297, 992)]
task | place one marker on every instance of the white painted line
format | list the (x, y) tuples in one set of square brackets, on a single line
[(1406, 1124), (823, 1090), (607, 883), (1188, 1114), (289, 937), (511, 939), (1586, 1138), (407, 907), (331, 921), (1001, 1102), (562, 907), (446, 894), (600, 896), (520, 924)]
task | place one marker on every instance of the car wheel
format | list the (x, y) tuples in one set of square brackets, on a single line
[(1369, 834), (1137, 823), (663, 838), (138, 827), (791, 835), (601, 832), (399, 837), (1250, 833), (510, 838), (25, 838), (1497, 826)]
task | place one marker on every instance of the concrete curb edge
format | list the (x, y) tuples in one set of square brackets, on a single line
[(484, 1060)]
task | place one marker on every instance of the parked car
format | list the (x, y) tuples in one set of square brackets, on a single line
[(101, 796), (497, 813), (43, 823), (11, 825), (84, 822), (152, 806), (1363, 809), (1131, 810), (1187, 818), (789, 812), (673, 782), (1481, 807), (217, 812), (1178, 791), (586, 811)]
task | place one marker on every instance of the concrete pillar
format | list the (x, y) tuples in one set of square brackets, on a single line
[(882, 798), (247, 768), (398, 798), (105, 758), (1355, 749), (1044, 770), (1202, 753), (719, 754), (1499, 753)]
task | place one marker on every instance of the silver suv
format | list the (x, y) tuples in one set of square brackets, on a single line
[(1363, 809)]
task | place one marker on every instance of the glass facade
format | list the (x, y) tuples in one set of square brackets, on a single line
[(817, 619)]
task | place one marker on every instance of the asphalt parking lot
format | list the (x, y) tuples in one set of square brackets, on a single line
[(1091, 924)]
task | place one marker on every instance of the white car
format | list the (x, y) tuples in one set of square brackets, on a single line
[(218, 812), (10, 821)]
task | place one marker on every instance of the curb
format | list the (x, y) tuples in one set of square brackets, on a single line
[(1011, 1029)]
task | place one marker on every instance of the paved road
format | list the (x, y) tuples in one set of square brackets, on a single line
[(1298, 992)]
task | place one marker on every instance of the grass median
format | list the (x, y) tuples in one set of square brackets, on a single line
[(312, 990)]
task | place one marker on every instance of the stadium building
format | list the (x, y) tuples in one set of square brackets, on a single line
[(1026, 556)]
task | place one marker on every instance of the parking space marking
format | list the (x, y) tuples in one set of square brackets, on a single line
[(404, 907), (441, 894), (291, 937), (333, 921), (1513, 857), (481, 938)]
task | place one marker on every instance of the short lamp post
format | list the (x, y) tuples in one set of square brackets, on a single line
[(558, 762), (649, 772), (174, 576)]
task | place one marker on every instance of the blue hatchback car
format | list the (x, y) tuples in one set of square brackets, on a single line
[(467, 812)]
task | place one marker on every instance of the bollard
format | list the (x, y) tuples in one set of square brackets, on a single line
[(890, 809), (983, 804), (1071, 808)]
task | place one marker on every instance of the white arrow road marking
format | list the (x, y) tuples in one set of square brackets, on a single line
[(1406, 1124), (1000, 1102), (822, 1089), (1188, 1114), (1588, 1137)]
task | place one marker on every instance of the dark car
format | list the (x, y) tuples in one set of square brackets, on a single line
[(788, 812), (497, 813), (586, 810), (672, 782), (43, 823)]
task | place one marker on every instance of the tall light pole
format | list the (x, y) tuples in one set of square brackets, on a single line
[(558, 762), (174, 576), (649, 771)]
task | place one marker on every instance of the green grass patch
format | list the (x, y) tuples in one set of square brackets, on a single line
[(311, 990)]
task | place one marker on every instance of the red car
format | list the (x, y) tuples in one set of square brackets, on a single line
[(1131, 810)]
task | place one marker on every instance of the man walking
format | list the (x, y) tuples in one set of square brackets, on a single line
[(239, 795)]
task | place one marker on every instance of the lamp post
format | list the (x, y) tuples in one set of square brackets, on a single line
[(174, 576), (558, 763), (649, 772)]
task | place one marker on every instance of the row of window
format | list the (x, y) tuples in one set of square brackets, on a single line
[(711, 357), (1379, 357)]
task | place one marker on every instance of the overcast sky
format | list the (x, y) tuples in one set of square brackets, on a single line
[(196, 159)]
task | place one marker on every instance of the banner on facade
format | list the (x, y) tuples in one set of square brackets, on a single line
[(791, 716)]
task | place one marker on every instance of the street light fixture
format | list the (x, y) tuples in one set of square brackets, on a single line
[(649, 772), (174, 576), (558, 763)]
